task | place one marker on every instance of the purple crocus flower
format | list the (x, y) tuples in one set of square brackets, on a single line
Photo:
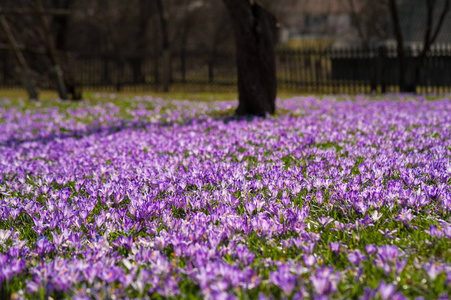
[(309, 260), (325, 281), (436, 231), (43, 246), (405, 215), (284, 279), (324, 221), (432, 270), (386, 290), (335, 247), (355, 257), (370, 249)]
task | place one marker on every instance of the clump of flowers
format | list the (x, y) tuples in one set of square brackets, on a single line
[(146, 198)]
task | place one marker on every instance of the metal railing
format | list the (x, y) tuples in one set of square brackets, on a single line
[(344, 70)]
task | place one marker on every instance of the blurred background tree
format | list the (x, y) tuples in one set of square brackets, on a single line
[(173, 42)]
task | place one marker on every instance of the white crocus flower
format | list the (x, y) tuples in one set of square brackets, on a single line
[(375, 216), (4, 235)]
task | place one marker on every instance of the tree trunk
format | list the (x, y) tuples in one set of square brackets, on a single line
[(165, 44), (142, 40), (409, 74), (430, 35), (51, 51), (60, 28), (255, 32), (186, 30), (399, 45)]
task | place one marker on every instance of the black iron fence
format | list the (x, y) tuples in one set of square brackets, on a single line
[(356, 70), (346, 70)]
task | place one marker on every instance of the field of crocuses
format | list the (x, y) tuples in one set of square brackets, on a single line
[(340, 198)]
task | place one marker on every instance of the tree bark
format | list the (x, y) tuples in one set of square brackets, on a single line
[(60, 26), (255, 33), (399, 45), (165, 43), (142, 40), (185, 33), (51, 50)]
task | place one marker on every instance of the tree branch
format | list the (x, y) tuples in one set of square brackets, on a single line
[(430, 6), (359, 23), (396, 24), (440, 22), (431, 34)]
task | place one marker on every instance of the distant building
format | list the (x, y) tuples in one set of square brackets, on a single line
[(319, 19), (336, 20)]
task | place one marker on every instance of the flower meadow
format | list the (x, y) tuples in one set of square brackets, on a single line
[(343, 198)]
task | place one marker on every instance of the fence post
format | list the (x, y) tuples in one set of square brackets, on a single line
[(317, 70), (309, 64), (106, 72), (156, 69), (283, 60), (6, 71), (166, 70), (183, 64), (302, 71), (381, 62), (211, 74), (118, 75), (372, 60)]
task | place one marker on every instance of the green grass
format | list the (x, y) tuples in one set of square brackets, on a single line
[(111, 96), (417, 243)]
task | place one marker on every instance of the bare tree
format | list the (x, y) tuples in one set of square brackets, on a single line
[(184, 34), (60, 28), (432, 30), (23, 66), (165, 45), (190, 13), (255, 33), (145, 15), (370, 19), (119, 35), (51, 50)]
